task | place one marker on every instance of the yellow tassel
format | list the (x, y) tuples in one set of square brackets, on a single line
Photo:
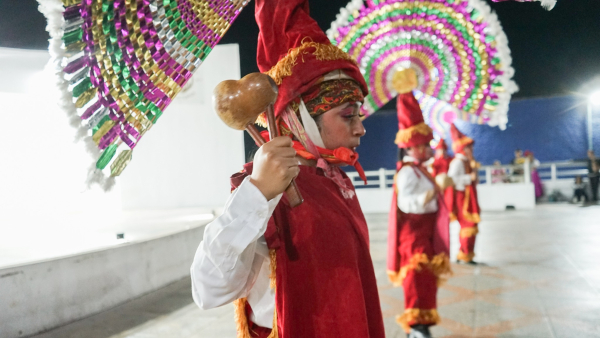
[(417, 316), (469, 232), (322, 52), (261, 120), (404, 135), (241, 321)]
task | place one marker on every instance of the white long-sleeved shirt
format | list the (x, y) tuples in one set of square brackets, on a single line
[(458, 174), (412, 190), (232, 261)]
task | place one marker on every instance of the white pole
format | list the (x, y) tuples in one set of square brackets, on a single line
[(527, 171), (553, 172), (488, 175)]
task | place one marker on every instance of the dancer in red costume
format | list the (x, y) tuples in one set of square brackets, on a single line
[(463, 171), (300, 272), (440, 167), (418, 239)]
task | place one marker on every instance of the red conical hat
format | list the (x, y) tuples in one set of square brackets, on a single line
[(459, 140), (412, 128), (295, 52), (442, 145)]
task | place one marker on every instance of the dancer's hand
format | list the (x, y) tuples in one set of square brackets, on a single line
[(275, 166), (429, 196), (474, 176)]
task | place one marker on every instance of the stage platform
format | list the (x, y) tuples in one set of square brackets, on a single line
[(68, 267)]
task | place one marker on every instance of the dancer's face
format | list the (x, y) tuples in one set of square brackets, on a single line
[(468, 151), (342, 127), (420, 152)]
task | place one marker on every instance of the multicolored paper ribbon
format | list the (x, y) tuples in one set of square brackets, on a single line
[(456, 47), (122, 62)]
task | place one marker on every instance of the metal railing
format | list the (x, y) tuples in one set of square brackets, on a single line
[(552, 171)]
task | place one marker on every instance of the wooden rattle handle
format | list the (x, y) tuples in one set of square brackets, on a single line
[(292, 192)]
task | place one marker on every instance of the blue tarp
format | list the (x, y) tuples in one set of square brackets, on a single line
[(555, 129)]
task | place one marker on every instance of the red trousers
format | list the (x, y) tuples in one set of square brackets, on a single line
[(468, 220), (420, 281)]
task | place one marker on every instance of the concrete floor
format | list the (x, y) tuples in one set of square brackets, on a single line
[(539, 277)]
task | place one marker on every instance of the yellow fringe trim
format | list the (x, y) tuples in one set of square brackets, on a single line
[(273, 283), (322, 52), (404, 135), (274, 330), (273, 265), (439, 265), (461, 142), (241, 320), (469, 217), (461, 256), (452, 217), (417, 316), (469, 232)]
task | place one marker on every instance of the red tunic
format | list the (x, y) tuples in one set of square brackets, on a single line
[(325, 283)]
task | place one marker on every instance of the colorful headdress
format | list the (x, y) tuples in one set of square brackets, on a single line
[(459, 140), (412, 129), (457, 49), (121, 63), (295, 52)]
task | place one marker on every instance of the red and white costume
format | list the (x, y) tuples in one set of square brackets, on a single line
[(465, 207), (440, 166), (300, 272), (418, 239)]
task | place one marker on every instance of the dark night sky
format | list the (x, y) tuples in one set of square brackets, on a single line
[(554, 52)]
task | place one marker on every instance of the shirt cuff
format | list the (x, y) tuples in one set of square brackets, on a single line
[(250, 204), (466, 179), (253, 192)]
